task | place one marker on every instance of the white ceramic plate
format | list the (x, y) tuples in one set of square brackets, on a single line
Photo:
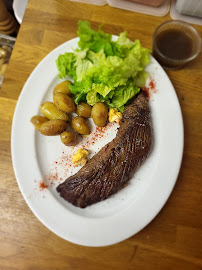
[(36, 157), (19, 7)]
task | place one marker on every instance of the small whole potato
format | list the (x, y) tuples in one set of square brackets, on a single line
[(38, 120), (83, 109), (79, 125), (64, 102), (62, 87), (53, 127), (99, 114), (68, 138), (50, 111)]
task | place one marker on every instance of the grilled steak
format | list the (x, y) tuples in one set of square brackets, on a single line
[(110, 169)]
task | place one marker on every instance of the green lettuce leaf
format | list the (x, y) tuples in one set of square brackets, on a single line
[(104, 70), (81, 87), (96, 41), (124, 41), (92, 98), (66, 65), (123, 94), (141, 78)]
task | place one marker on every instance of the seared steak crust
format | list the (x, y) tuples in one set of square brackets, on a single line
[(109, 170)]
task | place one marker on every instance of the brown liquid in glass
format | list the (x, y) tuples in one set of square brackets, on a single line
[(175, 44)]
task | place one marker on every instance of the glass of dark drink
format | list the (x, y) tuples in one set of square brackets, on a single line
[(175, 43)]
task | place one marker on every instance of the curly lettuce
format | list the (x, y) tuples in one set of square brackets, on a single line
[(104, 70)]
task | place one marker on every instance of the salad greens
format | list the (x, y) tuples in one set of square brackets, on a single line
[(104, 70)]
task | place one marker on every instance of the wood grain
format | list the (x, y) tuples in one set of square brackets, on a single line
[(173, 240)]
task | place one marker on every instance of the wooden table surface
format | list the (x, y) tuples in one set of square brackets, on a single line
[(173, 240)]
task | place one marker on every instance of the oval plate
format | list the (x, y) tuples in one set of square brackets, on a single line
[(37, 157)]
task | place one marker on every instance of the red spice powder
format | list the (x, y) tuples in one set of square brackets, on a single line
[(96, 135), (42, 185), (146, 91), (151, 88), (64, 163)]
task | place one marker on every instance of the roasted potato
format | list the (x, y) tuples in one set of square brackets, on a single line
[(83, 109), (53, 127), (62, 87), (99, 114), (50, 111), (64, 102), (38, 120), (68, 138), (79, 125)]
